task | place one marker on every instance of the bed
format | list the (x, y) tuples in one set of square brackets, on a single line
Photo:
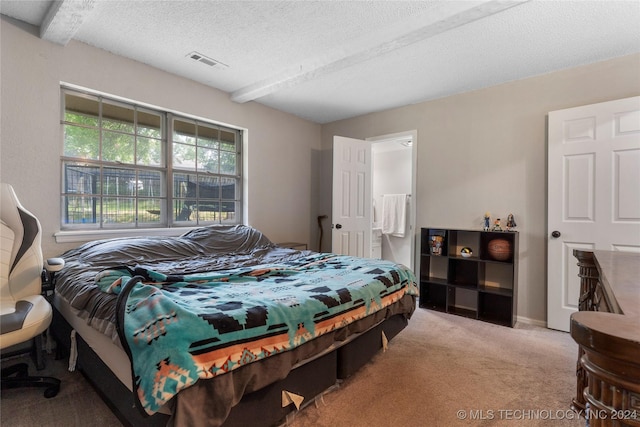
[(220, 326)]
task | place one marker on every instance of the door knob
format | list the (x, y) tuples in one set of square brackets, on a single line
[(555, 234), (338, 226)]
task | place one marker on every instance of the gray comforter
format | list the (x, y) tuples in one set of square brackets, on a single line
[(217, 247)]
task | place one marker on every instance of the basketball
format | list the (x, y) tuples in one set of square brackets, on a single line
[(499, 249)]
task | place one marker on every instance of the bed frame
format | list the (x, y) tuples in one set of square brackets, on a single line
[(310, 379)]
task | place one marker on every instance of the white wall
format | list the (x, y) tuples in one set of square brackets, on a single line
[(282, 149), (486, 151)]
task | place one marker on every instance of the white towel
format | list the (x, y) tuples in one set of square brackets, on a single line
[(394, 213)]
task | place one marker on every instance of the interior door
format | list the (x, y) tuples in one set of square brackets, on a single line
[(351, 212), (593, 193)]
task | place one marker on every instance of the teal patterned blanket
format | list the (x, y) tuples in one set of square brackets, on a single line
[(178, 329)]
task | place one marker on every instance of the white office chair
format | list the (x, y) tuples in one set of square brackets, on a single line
[(24, 312)]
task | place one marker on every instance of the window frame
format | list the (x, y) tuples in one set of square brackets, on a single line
[(168, 223)]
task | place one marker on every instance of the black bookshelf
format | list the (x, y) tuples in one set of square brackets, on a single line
[(482, 285)]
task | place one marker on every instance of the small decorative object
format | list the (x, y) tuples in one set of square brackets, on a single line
[(496, 225), (466, 252), (487, 220), (511, 222), (499, 249), (436, 245)]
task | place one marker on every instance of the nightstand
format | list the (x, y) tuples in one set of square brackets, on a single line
[(293, 245)]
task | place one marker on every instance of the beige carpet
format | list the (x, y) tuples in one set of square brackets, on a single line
[(444, 368), (76, 405), (439, 370)]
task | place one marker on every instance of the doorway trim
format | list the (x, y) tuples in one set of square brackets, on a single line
[(414, 168)]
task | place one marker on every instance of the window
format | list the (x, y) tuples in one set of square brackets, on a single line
[(128, 166)]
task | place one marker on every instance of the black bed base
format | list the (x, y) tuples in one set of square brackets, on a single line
[(357, 353), (309, 380), (115, 394)]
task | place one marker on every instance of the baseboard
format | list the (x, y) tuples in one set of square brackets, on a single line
[(529, 321)]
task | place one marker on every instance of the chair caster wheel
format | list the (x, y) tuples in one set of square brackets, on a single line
[(51, 391)]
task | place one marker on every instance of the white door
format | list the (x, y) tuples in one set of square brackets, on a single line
[(593, 193), (351, 213)]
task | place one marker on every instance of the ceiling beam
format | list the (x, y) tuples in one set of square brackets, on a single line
[(341, 61), (63, 19)]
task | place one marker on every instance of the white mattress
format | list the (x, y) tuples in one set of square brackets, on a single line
[(109, 352)]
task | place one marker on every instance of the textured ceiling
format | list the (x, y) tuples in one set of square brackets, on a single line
[(330, 60)]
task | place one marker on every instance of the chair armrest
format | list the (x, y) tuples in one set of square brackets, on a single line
[(53, 264)]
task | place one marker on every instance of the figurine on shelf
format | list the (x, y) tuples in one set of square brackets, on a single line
[(496, 225), (436, 245), (511, 222), (487, 219)]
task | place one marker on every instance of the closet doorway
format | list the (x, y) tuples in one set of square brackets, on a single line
[(393, 173)]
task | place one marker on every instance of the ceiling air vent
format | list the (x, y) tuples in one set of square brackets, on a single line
[(206, 60)]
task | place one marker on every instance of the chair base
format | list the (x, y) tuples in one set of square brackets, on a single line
[(18, 376)]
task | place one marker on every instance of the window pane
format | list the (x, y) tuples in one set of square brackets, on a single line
[(228, 163), (208, 187), (81, 110), (118, 210), (207, 160), (120, 182), (80, 210), (217, 212), (150, 184), (208, 193), (184, 132), (229, 205), (117, 147), (181, 211), (207, 136), (184, 193), (117, 117), (184, 185), (229, 189), (80, 179), (228, 140), (81, 142), (149, 152), (149, 124), (228, 212), (150, 211), (208, 211), (184, 156)]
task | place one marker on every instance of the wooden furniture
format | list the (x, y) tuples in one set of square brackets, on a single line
[(294, 245), (481, 286), (607, 330)]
